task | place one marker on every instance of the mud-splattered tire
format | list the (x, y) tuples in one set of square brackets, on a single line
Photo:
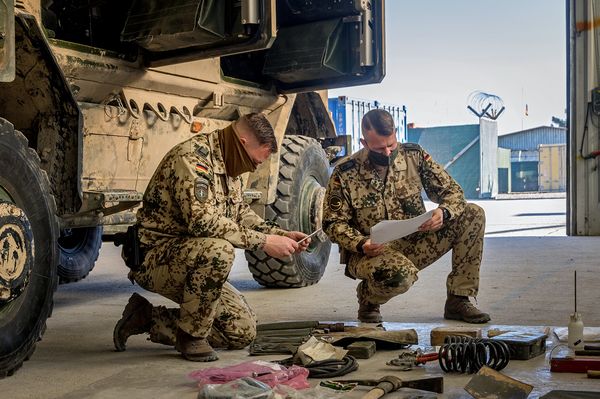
[(24, 184), (303, 175), (78, 252)]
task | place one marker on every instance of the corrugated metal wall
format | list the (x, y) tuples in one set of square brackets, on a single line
[(530, 139), (444, 143)]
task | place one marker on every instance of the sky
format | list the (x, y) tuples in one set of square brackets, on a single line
[(438, 52)]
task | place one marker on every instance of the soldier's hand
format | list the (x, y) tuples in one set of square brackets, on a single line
[(371, 249), (279, 246), (435, 223), (297, 236)]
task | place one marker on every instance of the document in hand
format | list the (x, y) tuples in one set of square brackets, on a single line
[(390, 230)]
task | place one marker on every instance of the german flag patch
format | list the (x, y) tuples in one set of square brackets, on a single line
[(201, 168), (426, 156)]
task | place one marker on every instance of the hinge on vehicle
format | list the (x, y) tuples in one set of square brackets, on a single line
[(251, 195), (109, 202), (97, 205)]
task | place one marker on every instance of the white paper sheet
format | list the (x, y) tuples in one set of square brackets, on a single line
[(390, 230)]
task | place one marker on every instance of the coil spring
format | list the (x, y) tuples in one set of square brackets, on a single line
[(467, 355)]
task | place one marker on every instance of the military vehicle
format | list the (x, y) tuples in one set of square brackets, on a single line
[(93, 94)]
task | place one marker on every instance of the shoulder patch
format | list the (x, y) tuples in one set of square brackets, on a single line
[(347, 165), (335, 203), (411, 147), (202, 151), (201, 189)]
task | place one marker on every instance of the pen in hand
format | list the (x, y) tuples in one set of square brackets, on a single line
[(309, 236)]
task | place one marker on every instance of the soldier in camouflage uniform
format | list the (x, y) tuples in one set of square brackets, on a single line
[(383, 181), (192, 218)]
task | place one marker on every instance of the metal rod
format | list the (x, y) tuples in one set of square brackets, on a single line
[(575, 291)]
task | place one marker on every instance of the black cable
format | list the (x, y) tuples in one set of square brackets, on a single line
[(327, 368), (585, 128), (467, 355)]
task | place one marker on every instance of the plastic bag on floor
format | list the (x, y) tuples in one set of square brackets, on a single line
[(269, 373), (249, 388), (242, 388)]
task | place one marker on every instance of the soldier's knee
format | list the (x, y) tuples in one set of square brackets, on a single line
[(477, 211), (242, 339), (399, 281), (218, 248)]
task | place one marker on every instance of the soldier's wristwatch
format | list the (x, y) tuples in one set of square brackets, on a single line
[(445, 215)]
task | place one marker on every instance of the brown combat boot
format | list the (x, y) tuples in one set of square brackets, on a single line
[(137, 319), (460, 308), (194, 349), (369, 313)]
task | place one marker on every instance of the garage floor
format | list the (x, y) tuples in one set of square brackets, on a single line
[(526, 280)]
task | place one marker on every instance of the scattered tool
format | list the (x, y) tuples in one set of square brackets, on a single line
[(362, 349), (576, 364), (439, 334), (488, 380), (410, 359), (575, 328), (286, 337), (468, 355), (593, 373), (523, 345), (390, 383)]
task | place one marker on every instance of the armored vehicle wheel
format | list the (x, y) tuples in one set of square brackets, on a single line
[(303, 175), (79, 249), (28, 253)]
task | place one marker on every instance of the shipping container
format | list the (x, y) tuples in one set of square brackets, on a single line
[(552, 167), (347, 113)]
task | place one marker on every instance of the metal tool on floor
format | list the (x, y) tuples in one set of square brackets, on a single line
[(575, 328), (487, 381), (390, 383), (286, 337), (574, 364), (408, 360), (468, 355)]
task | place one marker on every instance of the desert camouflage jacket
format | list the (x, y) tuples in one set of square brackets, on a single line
[(357, 198), (190, 195)]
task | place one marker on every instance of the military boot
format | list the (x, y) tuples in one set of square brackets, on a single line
[(369, 313), (137, 319), (194, 349), (460, 308)]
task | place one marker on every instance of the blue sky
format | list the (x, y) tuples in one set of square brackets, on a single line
[(440, 51)]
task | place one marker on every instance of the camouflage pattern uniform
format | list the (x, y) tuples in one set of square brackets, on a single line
[(357, 198), (192, 218)]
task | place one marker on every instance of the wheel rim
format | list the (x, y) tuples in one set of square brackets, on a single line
[(311, 208), (16, 251), (5, 196), (72, 240)]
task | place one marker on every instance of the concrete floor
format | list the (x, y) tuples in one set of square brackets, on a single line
[(526, 280)]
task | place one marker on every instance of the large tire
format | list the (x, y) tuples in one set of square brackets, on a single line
[(303, 175), (79, 250), (25, 185)]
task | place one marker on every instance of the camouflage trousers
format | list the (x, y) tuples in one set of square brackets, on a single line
[(193, 273), (395, 271)]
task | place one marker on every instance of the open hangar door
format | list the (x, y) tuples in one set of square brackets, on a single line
[(583, 110)]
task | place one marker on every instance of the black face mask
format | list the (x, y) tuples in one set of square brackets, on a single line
[(381, 159)]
